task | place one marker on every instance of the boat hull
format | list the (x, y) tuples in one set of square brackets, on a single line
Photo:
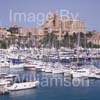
[(23, 86), (17, 66)]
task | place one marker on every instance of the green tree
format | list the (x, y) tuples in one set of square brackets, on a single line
[(65, 41), (49, 40), (3, 44)]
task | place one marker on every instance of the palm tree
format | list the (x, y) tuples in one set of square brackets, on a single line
[(65, 41), (49, 40)]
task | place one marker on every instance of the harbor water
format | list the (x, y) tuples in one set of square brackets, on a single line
[(54, 91)]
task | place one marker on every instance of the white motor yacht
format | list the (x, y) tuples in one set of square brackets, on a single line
[(87, 71), (79, 73), (22, 86), (57, 71), (21, 65)]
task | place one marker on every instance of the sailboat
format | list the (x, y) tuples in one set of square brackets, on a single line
[(75, 71)]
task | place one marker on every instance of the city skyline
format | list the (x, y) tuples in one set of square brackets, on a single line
[(87, 10)]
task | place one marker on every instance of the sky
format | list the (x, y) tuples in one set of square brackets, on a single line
[(88, 10)]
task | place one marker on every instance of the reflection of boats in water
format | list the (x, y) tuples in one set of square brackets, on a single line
[(22, 93)]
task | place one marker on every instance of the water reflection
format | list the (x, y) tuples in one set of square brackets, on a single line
[(23, 93), (64, 89)]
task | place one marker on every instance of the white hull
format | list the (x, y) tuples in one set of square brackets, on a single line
[(79, 73), (76, 75), (23, 86), (4, 66), (48, 70), (29, 65), (43, 69), (16, 65), (56, 71)]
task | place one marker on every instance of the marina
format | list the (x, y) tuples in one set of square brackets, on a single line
[(49, 50), (51, 91), (37, 68)]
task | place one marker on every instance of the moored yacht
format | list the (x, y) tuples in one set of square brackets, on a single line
[(22, 86), (58, 68), (86, 71), (57, 71), (4, 63), (16, 65), (79, 73), (29, 66), (48, 68)]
